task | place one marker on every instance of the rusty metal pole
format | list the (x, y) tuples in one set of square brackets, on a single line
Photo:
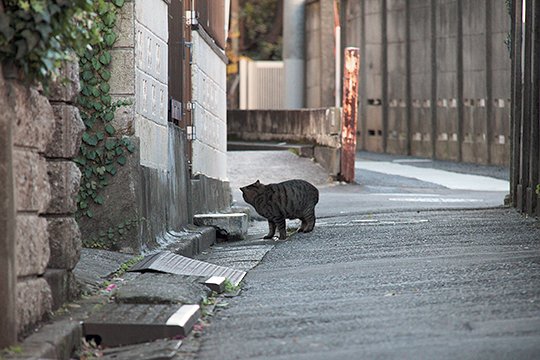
[(351, 67)]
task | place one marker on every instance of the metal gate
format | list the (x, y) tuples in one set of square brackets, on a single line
[(525, 161)]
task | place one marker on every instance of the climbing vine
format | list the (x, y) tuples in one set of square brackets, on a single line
[(102, 150), (37, 36)]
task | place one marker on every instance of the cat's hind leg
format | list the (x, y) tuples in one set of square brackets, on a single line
[(271, 230), (303, 225), (282, 228), (310, 221)]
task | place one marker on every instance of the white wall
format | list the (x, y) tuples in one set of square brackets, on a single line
[(151, 95), (210, 114)]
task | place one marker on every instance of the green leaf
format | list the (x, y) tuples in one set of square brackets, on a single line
[(110, 143), (109, 18), (110, 130), (87, 75), (100, 135), (99, 200), (106, 99), (118, 3), (109, 116), (80, 160), (119, 151), (83, 205), (105, 75), (110, 38), (105, 58), (121, 160), (90, 213), (105, 87), (91, 155), (89, 139), (96, 65)]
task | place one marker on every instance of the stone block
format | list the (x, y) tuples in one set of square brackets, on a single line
[(67, 87), (125, 23), (64, 242), (64, 286), (68, 128), (31, 181), (32, 244), (122, 72), (32, 115), (64, 178), (64, 336), (121, 205), (229, 226), (124, 117), (34, 301)]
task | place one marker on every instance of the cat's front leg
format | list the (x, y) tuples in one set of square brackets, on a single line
[(271, 231), (282, 227)]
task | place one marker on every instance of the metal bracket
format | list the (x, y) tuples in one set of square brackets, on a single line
[(188, 106), (192, 18), (191, 132)]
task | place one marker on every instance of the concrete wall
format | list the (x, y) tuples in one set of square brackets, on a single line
[(434, 78), (320, 128), (210, 113), (151, 96), (153, 190), (319, 57), (46, 238)]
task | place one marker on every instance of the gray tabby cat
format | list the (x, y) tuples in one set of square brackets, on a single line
[(291, 199)]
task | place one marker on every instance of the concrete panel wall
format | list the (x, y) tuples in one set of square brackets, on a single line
[(435, 77), (151, 95), (319, 57), (210, 111)]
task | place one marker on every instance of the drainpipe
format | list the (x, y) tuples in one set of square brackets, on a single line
[(337, 53), (293, 52)]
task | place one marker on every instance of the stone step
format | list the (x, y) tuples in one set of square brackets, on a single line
[(231, 226)]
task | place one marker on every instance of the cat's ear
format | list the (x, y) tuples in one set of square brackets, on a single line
[(257, 182)]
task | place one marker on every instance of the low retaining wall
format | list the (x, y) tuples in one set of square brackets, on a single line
[(317, 127)]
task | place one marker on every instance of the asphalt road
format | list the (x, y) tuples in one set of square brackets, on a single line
[(383, 278)]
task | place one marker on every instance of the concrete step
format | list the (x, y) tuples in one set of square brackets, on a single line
[(127, 324), (231, 226)]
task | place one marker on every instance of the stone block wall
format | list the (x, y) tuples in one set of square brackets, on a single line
[(45, 136)]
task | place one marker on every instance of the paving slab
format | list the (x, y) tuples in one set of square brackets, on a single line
[(96, 265), (127, 324), (160, 288)]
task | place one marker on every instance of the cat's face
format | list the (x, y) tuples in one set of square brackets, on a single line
[(249, 192)]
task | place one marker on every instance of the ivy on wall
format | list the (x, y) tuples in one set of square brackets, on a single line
[(37, 36), (101, 150)]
